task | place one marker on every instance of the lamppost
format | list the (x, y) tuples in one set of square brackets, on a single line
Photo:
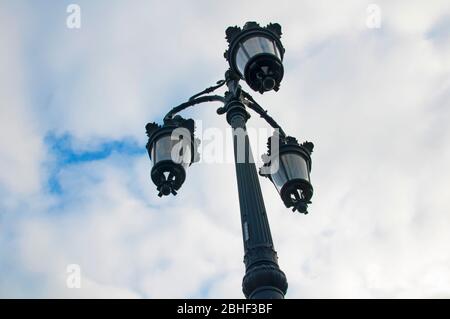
[(255, 54)]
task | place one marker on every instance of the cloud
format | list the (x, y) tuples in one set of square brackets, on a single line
[(20, 137)]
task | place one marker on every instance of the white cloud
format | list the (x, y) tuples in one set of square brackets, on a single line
[(20, 144)]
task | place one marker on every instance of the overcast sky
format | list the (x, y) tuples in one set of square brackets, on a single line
[(74, 174)]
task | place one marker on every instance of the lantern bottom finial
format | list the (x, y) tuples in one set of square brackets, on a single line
[(168, 177)]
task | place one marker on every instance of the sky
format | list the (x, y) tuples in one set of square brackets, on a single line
[(367, 82)]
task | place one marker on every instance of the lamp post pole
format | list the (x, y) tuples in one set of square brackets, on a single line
[(263, 278)]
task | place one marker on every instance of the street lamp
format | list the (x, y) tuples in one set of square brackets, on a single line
[(288, 168), (172, 148), (255, 54)]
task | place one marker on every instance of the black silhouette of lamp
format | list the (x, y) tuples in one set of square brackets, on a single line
[(255, 54)]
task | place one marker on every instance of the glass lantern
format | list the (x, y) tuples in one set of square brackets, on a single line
[(256, 55), (289, 167), (172, 148)]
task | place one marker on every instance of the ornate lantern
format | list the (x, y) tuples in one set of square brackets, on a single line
[(256, 55)]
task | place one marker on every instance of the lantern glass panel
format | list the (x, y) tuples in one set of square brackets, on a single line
[(291, 166), (253, 46), (171, 149), (295, 166), (279, 177)]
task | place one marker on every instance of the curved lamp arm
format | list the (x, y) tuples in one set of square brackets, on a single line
[(209, 90), (197, 99)]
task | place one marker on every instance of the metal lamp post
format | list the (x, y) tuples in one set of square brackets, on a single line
[(255, 54)]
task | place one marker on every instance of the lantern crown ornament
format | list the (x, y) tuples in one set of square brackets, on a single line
[(172, 148), (256, 53), (288, 166)]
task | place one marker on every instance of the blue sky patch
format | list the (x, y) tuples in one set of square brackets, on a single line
[(63, 153)]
